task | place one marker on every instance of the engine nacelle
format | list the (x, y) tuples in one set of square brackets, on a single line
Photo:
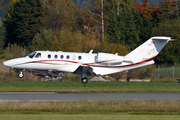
[(109, 58)]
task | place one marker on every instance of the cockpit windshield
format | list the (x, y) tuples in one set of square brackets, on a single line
[(32, 54), (38, 55)]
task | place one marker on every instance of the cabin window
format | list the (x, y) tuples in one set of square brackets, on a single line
[(79, 58), (61, 56), (32, 54), (49, 56), (67, 57), (55, 56), (38, 55), (73, 57)]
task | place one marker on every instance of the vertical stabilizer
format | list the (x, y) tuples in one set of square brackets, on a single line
[(149, 49)]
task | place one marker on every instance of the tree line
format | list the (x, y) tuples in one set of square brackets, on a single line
[(113, 26)]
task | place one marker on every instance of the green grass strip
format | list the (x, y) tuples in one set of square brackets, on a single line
[(136, 107), (87, 117), (76, 87)]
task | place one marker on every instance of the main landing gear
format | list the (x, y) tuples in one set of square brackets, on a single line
[(84, 80)]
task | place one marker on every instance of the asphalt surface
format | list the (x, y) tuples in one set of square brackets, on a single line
[(42, 96)]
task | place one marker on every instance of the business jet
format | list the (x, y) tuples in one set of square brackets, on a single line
[(91, 64)]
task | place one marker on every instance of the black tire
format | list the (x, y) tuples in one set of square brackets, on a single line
[(84, 80), (21, 75)]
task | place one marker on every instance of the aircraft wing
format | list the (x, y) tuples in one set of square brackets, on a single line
[(90, 72)]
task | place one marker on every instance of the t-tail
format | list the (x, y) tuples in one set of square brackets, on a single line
[(148, 50)]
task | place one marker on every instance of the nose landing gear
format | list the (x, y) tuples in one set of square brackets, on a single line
[(21, 74)]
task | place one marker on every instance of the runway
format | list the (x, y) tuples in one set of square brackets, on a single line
[(43, 96)]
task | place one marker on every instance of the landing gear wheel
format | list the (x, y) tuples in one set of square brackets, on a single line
[(84, 80), (21, 74)]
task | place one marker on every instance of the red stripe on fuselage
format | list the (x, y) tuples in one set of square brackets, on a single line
[(89, 64), (145, 61)]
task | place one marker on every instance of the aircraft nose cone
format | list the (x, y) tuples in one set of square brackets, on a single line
[(7, 63)]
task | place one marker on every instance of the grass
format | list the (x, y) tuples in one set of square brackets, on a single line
[(76, 87), (87, 117), (135, 107), (91, 109)]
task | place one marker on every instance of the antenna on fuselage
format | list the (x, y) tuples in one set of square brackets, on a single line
[(90, 52)]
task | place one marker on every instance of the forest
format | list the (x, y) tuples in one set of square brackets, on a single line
[(112, 26)]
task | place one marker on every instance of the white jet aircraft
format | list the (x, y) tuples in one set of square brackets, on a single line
[(91, 64)]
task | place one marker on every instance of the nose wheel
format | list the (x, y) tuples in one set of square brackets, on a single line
[(84, 80), (21, 74)]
